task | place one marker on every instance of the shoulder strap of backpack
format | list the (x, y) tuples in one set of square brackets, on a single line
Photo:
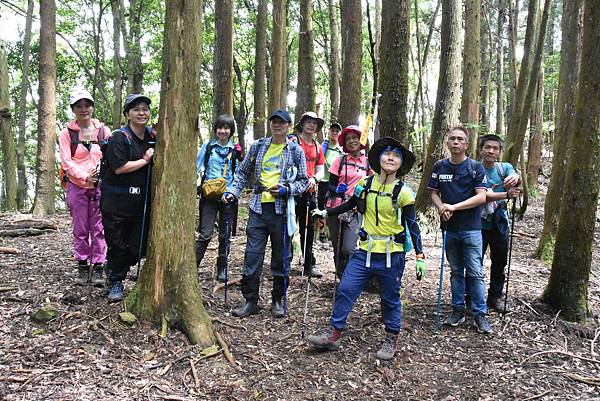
[(74, 136), (500, 170), (396, 192), (342, 162)]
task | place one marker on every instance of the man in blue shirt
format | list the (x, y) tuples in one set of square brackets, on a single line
[(502, 181), (458, 189)]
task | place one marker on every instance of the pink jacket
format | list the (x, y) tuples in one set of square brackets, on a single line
[(83, 162)]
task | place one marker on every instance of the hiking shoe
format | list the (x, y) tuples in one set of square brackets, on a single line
[(457, 317), (97, 278), (389, 347), (328, 340), (315, 273), (82, 273), (496, 304), (277, 308), (483, 325), (117, 292), (249, 308)]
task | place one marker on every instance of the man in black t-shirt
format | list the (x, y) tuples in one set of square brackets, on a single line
[(458, 189)]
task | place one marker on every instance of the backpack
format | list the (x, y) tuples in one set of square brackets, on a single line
[(362, 207), (296, 138), (128, 140), (489, 208), (74, 137), (233, 154), (343, 162)]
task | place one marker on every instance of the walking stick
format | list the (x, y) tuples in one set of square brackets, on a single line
[(143, 221), (512, 231), (439, 302), (303, 259), (226, 261), (306, 297), (285, 236), (338, 253)]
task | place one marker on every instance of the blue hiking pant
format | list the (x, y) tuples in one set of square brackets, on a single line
[(353, 281)]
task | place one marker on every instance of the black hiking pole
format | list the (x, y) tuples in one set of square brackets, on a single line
[(310, 270), (338, 261), (144, 220), (91, 243), (303, 259), (227, 239), (510, 242), (439, 302)]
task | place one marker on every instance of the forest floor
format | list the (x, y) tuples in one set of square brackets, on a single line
[(87, 353)]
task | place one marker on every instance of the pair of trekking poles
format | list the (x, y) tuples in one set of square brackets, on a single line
[(440, 287)]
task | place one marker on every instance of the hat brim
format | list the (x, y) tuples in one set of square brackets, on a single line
[(320, 123), (408, 158), (136, 100), (342, 138), (82, 98)]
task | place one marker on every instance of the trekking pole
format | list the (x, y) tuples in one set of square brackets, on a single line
[(227, 238), (143, 221), (310, 270), (510, 242), (285, 265), (338, 254), (303, 259), (91, 244), (439, 302)]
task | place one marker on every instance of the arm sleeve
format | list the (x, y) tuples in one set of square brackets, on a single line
[(410, 217), (66, 161), (344, 207), (333, 182)]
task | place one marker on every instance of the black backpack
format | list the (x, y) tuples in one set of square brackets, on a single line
[(128, 140)]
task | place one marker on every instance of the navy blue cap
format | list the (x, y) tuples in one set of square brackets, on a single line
[(283, 114), (133, 98), (336, 125)]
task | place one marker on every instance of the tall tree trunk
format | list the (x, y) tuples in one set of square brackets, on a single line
[(471, 71), (334, 61), (8, 144), (513, 23), (500, 68), (43, 203), (117, 70), (486, 65), (240, 112), (285, 65), (395, 44), (534, 156), (567, 88), (168, 290), (278, 44), (135, 68), (223, 60), (447, 101), (530, 68), (260, 62), (21, 168), (305, 91), (351, 28), (567, 288)]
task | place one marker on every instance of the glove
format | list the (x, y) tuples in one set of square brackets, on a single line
[(358, 190), (237, 148), (228, 197), (319, 213), (420, 268), (281, 192), (342, 188)]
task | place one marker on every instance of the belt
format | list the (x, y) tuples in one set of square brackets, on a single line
[(122, 190), (388, 241)]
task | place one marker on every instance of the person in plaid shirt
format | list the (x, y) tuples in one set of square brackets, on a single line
[(279, 166)]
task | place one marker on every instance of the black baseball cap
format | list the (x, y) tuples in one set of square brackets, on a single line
[(133, 98), (283, 114)]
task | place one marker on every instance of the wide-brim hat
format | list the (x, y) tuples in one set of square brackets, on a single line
[(132, 99), (309, 114), (408, 158), (345, 132), (336, 125)]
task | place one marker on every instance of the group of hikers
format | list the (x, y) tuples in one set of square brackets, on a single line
[(298, 184)]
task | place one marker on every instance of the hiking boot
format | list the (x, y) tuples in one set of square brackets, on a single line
[(389, 347), (457, 317), (277, 308), (328, 340), (496, 304), (483, 325), (116, 292), (314, 274), (82, 273), (97, 278), (249, 308), (221, 274)]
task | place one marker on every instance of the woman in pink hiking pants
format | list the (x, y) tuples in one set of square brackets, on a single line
[(80, 156)]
